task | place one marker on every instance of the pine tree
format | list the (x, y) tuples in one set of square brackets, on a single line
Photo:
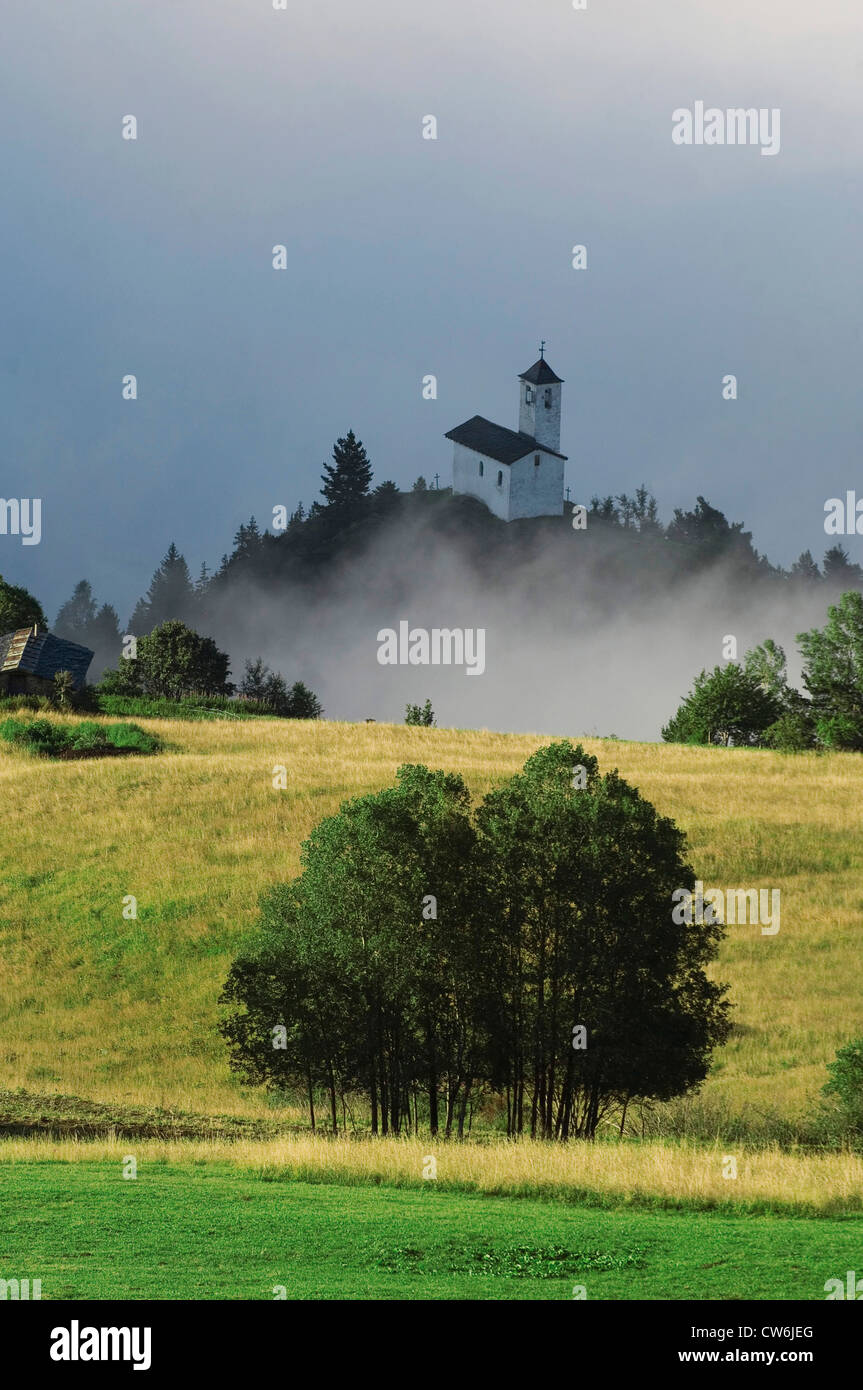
[(170, 595), (838, 569), (806, 569), (347, 479), (77, 615), (247, 541)]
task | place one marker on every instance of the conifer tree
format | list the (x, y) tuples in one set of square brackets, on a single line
[(347, 479), (170, 595)]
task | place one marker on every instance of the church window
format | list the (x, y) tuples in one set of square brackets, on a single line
[(481, 468), (548, 398), (500, 477), (536, 460), (528, 396)]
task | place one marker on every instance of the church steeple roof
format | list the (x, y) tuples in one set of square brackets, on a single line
[(540, 374)]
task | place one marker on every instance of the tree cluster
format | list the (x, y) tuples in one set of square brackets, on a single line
[(431, 957), (754, 704)]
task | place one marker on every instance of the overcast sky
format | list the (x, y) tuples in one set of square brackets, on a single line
[(409, 256)]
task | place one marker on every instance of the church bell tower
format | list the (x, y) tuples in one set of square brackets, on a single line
[(539, 403)]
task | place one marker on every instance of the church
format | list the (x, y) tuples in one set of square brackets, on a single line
[(516, 473)]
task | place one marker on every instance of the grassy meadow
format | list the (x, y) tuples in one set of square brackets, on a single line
[(213, 1232), (121, 1010), (109, 1041)]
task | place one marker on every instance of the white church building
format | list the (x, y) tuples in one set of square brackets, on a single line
[(516, 473)]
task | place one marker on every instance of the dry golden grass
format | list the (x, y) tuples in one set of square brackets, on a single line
[(682, 1175), (121, 1010)]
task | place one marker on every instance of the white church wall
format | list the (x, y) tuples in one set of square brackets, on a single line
[(536, 491), (466, 477)]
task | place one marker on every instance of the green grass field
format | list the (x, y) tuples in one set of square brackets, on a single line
[(210, 1232)]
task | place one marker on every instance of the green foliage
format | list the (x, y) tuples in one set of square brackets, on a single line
[(347, 479), (833, 673), (268, 690), (124, 679), (839, 732), (18, 608), (196, 707), (846, 1085), (79, 620), (172, 663), (728, 705), (35, 735), (170, 597), (87, 735), (422, 715), (131, 736), (793, 732), (706, 532), (47, 739), (838, 569), (64, 689), (766, 664), (303, 703), (471, 948)]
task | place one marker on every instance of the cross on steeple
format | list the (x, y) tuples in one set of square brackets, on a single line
[(542, 350)]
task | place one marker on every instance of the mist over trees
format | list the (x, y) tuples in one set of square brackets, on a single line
[(754, 703), (624, 540), (80, 620), (304, 589)]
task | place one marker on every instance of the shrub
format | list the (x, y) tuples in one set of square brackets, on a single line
[(37, 735), (64, 689), (420, 714), (791, 733), (49, 740), (132, 736), (303, 703), (86, 735), (840, 731), (726, 705), (845, 1086)]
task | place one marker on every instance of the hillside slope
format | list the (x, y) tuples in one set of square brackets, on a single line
[(125, 1010)]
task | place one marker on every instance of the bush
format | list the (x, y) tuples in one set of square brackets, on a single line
[(422, 715), (49, 740), (267, 691), (132, 736), (87, 735), (845, 1086), (840, 732), (726, 705), (303, 703), (791, 733), (36, 735)]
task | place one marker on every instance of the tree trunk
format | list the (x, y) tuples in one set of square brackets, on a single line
[(333, 1105), (311, 1096)]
